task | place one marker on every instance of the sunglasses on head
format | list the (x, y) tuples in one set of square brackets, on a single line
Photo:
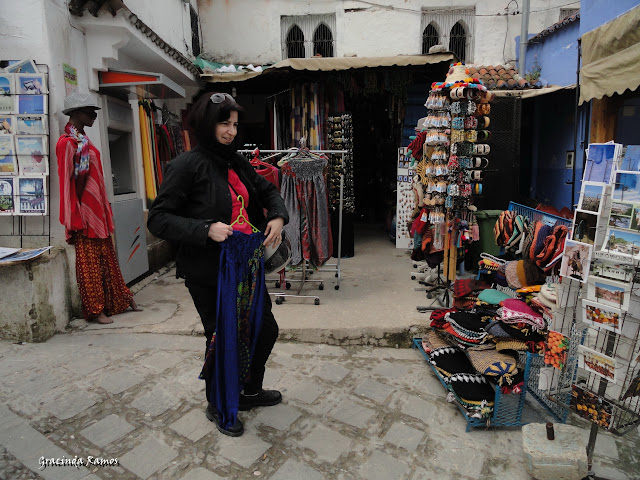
[(221, 97)]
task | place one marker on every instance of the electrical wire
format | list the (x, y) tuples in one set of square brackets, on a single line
[(412, 10)]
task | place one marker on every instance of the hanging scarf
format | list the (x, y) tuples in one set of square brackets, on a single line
[(241, 291), (80, 159)]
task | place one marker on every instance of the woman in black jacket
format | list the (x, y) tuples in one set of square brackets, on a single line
[(211, 205)]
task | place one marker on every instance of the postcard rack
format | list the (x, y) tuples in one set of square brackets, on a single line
[(601, 311), (25, 219)]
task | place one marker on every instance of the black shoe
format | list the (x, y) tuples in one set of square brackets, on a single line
[(235, 430), (264, 398)]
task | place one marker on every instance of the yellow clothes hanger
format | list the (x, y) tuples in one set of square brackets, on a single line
[(241, 220)]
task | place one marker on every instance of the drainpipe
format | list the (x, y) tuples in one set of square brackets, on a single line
[(575, 128), (524, 38)]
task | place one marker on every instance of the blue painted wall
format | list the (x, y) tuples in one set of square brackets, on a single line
[(557, 55), (594, 13), (552, 136)]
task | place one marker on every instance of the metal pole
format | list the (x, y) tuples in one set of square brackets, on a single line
[(575, 131), (524, 38)]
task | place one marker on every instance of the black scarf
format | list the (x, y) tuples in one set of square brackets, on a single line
[(225, 154)]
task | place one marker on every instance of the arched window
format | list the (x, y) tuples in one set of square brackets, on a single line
[(323, 41), (458, 41), (295, 43), (430, 38)]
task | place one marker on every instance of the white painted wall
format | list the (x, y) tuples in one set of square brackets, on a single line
[(248, 31), (168, 18)]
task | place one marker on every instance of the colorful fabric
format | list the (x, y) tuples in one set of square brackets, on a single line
[(102, 288), (550, 245), (305, 195), (241, 291), (80, 159), (493, 363), (85, 210), (517, 311), (438, 317), (237, 188)]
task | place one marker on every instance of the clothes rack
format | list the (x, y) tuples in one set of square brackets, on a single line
[(303, 269)]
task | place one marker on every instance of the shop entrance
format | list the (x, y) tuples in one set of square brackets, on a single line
[(376, 138)]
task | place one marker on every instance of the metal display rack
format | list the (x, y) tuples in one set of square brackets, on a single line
[(509, 410), (16, 227), (304, 269)]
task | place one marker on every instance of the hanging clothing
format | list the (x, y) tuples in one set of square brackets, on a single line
[(85, 209), (240, 301), (304, 192)]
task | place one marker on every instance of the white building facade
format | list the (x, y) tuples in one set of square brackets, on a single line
[(255, 31)]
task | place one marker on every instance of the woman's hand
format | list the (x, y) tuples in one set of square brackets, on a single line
[(273, 232), (219, 232)]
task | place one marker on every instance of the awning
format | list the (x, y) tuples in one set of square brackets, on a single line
[(334, 64), (611, 57), (532, 92), (143, 84)]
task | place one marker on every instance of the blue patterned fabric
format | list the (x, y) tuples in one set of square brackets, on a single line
[(241, 291)]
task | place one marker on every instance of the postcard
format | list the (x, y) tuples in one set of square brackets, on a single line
[(576, 260), (7, 201), (599, 164), (24, 254), (24, 66), (597, 363), (31, 124), (32, 104), (7, 125), (621, 209), (635, 219), (7, 91), (32, 195), (613, 270), (31, 151), (619, 221), (631, 159), (602, 316), (31, 84), (591, 197), (592, 407), (624, 242), (584, 227), (8, 160), (6, 251), (609, 292), (627, 187), (556, 348)]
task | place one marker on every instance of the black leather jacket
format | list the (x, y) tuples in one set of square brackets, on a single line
[(194, 194)]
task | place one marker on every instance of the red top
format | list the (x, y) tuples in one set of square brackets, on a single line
[(90, 215), (240, 189)]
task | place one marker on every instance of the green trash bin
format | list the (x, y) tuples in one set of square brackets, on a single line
[(487, 244)]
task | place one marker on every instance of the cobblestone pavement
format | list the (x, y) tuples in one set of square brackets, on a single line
[(131, 404)]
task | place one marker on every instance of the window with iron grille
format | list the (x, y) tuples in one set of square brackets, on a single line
[(456, 27), (458, 41), (567, 12), (307, 35), (430, 37), (295, 43), (195, 33), (323, 41)]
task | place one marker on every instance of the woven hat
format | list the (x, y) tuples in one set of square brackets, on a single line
[(457, 73), (516, 311), (526, 333), (511, 274), (510, 344), (492, 296), (79, 100), (471, 388), (467, 321), (494, 363), (449, 360), (431, 340), (520, 225), (495, 329)]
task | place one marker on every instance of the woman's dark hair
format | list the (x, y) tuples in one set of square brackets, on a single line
[(205, 114)]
